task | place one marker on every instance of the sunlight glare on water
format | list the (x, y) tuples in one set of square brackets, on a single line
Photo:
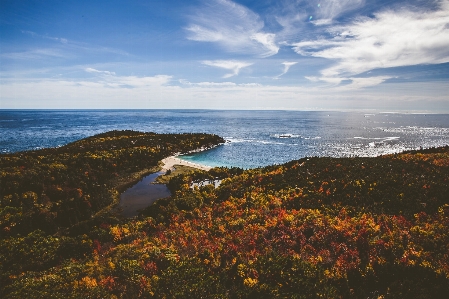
[(254, 138)]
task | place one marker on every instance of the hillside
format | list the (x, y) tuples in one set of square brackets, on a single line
[(311, 228), (58, 188)]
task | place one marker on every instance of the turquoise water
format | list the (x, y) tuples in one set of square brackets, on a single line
[(254, 138)]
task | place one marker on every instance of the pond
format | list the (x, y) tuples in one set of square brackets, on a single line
[(142, 194)]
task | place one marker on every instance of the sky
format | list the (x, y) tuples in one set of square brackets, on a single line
[(370, 55)]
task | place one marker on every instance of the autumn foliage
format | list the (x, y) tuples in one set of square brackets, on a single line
[(58, 188), (311, 228)]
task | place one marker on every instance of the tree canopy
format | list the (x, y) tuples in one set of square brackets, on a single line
[(310, 228)]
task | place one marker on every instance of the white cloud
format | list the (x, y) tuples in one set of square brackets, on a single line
[(63, 49), (268, 41), (357, 83), (34, 34), (134, 81), (232, 65), (287, 66), (208, 84), (321, 22), (219, 84), (253, 85), (389, 39), (109, 79), (331, 9), (331, 80), (233, 26), (42, 53), (315, 47), (294, 16), (92, 70)]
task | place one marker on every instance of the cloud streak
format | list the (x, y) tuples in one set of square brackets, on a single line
[(109, 79), (232, 65), (34, 34), (328, 10), (287, 66), (295, 16), (92, 70), (62, 48), (42, 53), (232, 26), (207, 84)]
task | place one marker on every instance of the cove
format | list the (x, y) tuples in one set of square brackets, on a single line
[(142, 194)]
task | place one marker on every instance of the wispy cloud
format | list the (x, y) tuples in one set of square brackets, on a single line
[(233, 65), (268, 41), (294, 16), (134, 81), (233, 26), (62, 48), (391, 38), (332, 81), (92, 70), (207, 84), (354, 82), (325, 11), (34, 34), (287, 66), (36, 54), (219, 84), (110, 79), (358, 83)]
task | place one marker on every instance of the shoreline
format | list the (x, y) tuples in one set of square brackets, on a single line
[(171, 161), (148, 187)]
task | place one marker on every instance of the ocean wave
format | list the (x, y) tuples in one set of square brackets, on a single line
[(416, 130), (378, 138), (286, 135), (40, 127), (237, 140), (268, 142), (253, 140)]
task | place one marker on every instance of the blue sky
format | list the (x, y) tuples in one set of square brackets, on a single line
[(222, 54)]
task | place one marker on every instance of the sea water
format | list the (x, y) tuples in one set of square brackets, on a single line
[(254, 138)]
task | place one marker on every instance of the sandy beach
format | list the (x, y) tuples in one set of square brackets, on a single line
[(171, 161)]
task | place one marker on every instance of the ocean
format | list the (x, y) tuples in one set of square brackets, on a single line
[(254, 138)]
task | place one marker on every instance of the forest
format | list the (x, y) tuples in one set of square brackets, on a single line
[(316, 227)]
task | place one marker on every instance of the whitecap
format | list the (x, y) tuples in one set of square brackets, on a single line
[(286, 135)]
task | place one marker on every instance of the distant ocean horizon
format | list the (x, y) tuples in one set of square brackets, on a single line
[(255, 138)]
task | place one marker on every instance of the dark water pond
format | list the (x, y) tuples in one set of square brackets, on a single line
[(142, 194)]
